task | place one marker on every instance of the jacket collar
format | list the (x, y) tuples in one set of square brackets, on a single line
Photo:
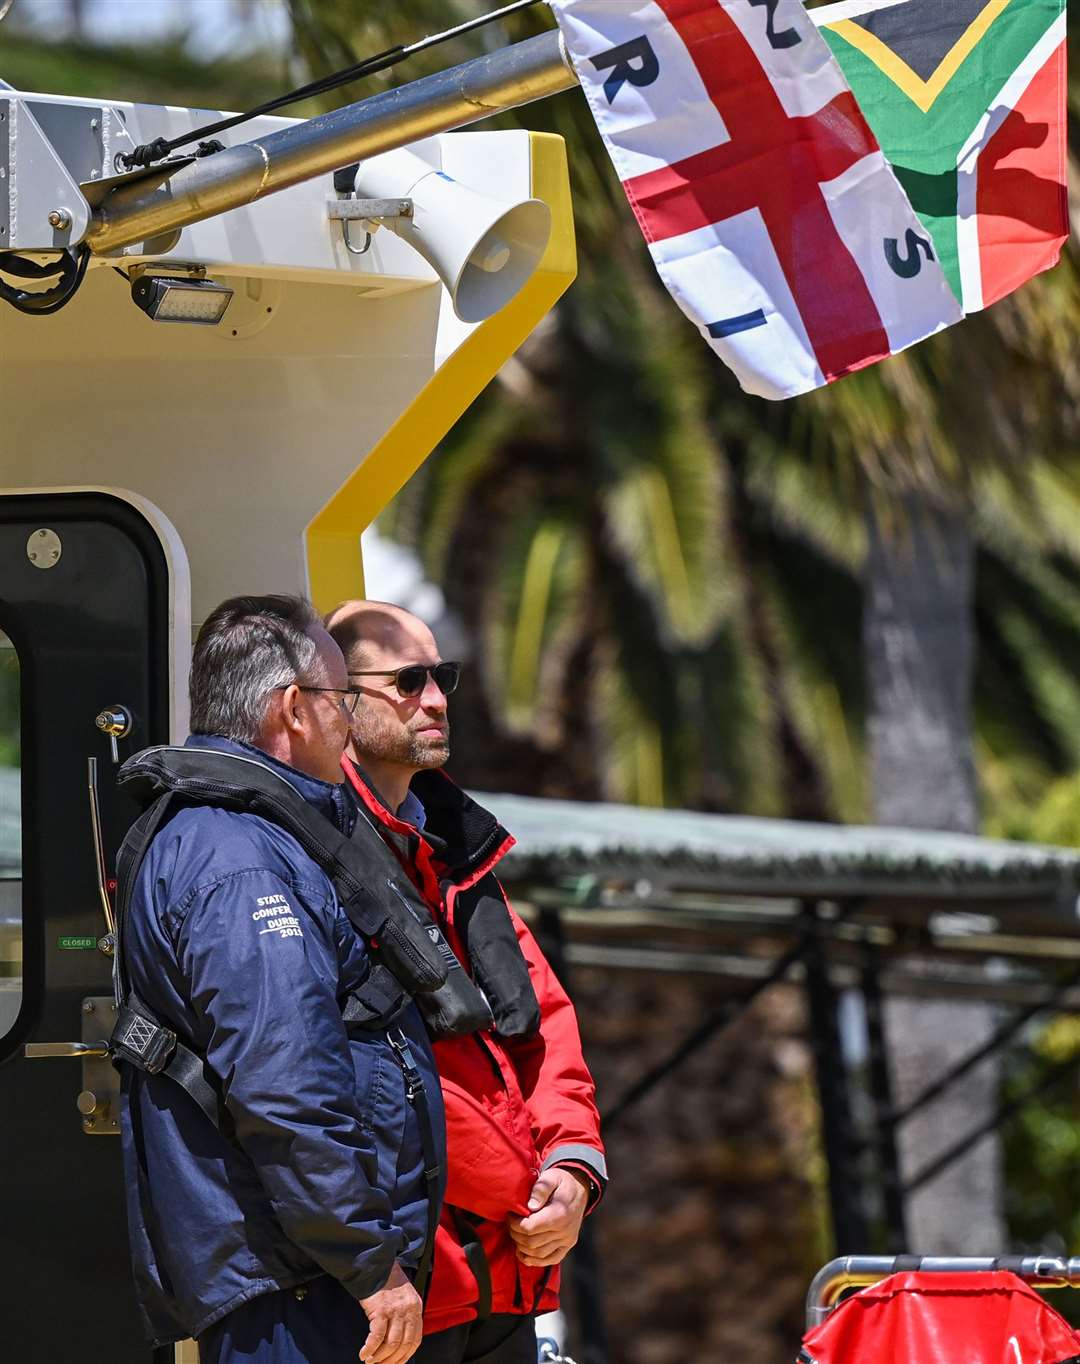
[(330, 800), (458, 832)]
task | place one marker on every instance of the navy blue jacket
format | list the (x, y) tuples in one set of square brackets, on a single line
[(235, 939)]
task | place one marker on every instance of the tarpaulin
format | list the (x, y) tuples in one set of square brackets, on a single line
[(913, 1318)]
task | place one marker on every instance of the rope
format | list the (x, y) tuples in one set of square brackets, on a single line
[(148, 152)]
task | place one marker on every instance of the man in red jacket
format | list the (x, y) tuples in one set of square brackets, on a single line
[(525, 1161)]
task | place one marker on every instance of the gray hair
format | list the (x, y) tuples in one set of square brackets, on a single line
[(245, 649)]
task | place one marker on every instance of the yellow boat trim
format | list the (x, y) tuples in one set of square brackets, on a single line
[(332, 542), (920, 92)]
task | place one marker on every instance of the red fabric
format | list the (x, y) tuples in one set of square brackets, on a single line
[(913, 1318), (1021, 195), (509, 1105)]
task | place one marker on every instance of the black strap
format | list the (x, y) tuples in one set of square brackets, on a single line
[(128, 861), (416, 1094), (189, 1072), (476, 1258), (541, 1288), (138, 1036)]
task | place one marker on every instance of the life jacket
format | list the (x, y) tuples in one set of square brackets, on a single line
[(410, 956), (489, 1081)]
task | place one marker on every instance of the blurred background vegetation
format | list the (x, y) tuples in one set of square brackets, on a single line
[(662, 583), (664, 602), (9, 704)]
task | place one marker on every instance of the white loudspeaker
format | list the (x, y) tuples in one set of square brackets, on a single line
[(482, 248)]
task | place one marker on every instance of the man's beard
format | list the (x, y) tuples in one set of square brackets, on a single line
[(425, 750), (410, 748)]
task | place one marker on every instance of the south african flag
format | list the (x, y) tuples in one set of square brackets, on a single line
[(967, 98)]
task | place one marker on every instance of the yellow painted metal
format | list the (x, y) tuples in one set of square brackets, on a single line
[(335, 570)]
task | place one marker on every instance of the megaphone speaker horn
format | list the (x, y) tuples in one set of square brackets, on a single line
[(483, 249)]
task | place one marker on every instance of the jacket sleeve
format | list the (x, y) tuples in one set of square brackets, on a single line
[(558, 1089), (258, 954)]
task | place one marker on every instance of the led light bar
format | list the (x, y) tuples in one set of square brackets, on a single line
[(167, 299)]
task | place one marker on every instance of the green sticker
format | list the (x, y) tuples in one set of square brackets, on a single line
[(76, 944)]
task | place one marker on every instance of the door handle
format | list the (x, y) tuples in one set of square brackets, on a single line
[(36, 1051), (98, 1101), (114, 721)]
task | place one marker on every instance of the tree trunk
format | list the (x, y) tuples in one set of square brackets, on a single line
[(918, 645)]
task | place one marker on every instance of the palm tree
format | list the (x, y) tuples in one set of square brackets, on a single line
[(698, 598)]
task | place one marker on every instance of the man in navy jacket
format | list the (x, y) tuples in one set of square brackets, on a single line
[(288, 1236)]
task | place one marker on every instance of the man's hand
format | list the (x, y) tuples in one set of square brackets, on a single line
[(395, 1315), (556, 1207)]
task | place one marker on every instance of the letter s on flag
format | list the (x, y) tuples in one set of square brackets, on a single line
[(758, 185)]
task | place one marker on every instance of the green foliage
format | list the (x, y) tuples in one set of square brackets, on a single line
[(1042, 1149), (9, 706), (162, 74), (706, 620)]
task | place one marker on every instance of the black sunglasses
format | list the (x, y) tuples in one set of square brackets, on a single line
[(412, 679)]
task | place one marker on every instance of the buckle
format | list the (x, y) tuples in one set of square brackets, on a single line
[(142, 1041)]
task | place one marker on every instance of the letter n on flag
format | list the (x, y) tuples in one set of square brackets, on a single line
[(769, 209)]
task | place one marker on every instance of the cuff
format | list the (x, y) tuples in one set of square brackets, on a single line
[(595, 1188), (585, 1160), (578, 1154)]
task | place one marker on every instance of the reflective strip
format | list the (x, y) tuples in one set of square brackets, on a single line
[(585, 1155)]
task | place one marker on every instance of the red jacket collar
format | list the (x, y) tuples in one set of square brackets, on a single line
[(471, 840)]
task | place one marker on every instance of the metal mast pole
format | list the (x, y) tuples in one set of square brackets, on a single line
[(488, 85)]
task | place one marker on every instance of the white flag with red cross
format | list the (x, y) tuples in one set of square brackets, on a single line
[(769, 209)]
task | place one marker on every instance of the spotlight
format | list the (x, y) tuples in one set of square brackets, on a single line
[(167, 299)]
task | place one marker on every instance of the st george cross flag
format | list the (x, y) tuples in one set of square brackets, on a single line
[(968, 102), (770, 212)]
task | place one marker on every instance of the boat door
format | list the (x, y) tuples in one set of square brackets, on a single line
[(85, 599)]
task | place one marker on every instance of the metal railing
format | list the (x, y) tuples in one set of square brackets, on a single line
[(847, 1272)]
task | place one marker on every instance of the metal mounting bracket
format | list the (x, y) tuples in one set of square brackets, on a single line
[(371, 212), (348, 210), (41, 205)]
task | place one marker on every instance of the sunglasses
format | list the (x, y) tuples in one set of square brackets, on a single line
[(412, 679)]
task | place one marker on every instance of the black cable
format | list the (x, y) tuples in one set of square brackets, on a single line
[(71, 268), (148, 152), (31, 269)]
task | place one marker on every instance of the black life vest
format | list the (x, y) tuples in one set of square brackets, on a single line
[(412, 958)]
